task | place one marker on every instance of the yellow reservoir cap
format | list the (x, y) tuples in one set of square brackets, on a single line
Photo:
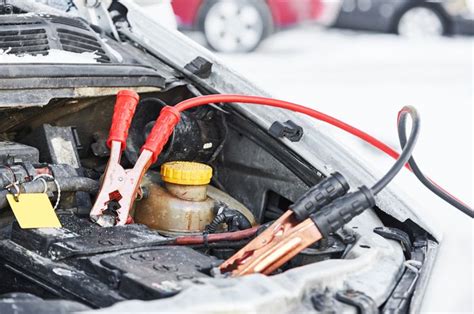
[(186, 173)]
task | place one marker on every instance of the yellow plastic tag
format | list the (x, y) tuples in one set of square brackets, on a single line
[(34, 210)]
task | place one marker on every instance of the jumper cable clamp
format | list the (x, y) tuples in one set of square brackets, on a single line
[(321, 211), (120, 186), (286, 237)]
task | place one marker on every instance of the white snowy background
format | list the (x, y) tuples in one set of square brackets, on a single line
[(364, 79)]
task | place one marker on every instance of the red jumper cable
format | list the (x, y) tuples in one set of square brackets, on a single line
[(120, 187)]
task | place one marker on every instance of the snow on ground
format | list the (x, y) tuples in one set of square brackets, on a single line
[(364, 79)]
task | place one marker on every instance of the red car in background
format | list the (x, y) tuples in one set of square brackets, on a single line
[(241, 25)]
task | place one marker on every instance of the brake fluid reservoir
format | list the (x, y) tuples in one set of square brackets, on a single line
[(182, 206)]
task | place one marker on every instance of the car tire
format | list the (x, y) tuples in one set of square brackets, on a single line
[(422, 21), (235, 25)]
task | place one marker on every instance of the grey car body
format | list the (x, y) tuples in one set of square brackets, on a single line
[(373, 268)]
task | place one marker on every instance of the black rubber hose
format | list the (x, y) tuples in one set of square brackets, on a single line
[(407, 149), (72, 184), (234, 219), (425, 180), (215, 223)]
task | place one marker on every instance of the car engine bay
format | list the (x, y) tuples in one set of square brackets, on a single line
[(71, 147), (220, 181)]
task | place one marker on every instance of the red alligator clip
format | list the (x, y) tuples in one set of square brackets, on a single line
[(120, 186), (279, 243)]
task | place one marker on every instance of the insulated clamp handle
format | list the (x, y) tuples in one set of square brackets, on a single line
[(335, 215), (320, 195), (124, 109), (162, 130)]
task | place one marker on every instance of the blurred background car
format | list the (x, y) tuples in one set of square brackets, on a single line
[(410, 18), (241, 25)]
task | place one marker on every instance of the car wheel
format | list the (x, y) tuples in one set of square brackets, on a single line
[(235, 25), (421, 21)]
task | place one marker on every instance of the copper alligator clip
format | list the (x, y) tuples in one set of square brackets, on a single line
[(285, 238), (294, 231), (279, 243), (120, 186)]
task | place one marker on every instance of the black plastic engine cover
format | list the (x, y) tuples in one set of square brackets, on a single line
[(97, 266), (156, 273)]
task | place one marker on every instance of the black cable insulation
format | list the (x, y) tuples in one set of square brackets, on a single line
[(407, 149), (425, 180), (219, 98)]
